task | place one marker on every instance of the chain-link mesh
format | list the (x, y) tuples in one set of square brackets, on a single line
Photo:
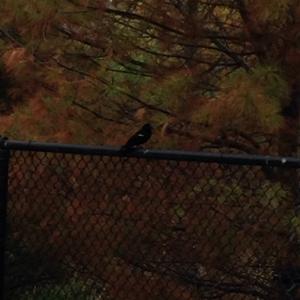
[(118, 228)]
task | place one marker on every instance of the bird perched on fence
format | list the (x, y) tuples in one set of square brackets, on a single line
[(140, 137)]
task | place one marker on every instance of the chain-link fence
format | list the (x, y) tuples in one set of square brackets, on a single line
[(96, 223)]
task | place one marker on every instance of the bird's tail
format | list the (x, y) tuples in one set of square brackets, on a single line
[(128, 148)]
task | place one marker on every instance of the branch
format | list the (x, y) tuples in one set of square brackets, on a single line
[(122, 92), (96, 114), (134, 16)]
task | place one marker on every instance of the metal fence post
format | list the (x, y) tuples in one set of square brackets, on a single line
[(4, 162)]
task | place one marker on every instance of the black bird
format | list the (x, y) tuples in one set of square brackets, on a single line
[(140, 137)]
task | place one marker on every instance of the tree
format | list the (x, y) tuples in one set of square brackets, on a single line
[(174, 58)]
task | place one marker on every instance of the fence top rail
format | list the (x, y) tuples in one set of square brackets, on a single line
[(155, 154)]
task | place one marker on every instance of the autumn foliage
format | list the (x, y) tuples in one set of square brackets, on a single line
[(202, 70)]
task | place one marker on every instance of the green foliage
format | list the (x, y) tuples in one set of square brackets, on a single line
[(179, 211), (31, 275), (270, 10), (72, 289), (269, 195), (295, 222), (272, 194), (170, 91), (272, 78), (254, 100)]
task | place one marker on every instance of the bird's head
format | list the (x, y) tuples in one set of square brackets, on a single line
[(147, 126)]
